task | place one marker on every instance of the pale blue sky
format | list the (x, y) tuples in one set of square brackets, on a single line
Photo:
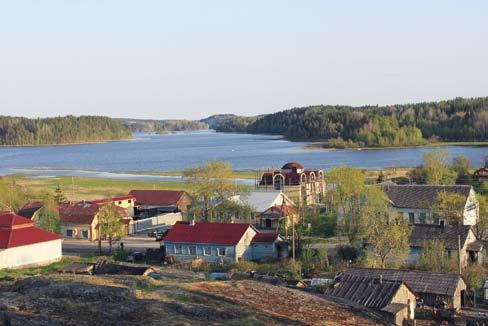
[(190, 59)]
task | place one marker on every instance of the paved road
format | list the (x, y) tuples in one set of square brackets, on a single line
[(84, 247)]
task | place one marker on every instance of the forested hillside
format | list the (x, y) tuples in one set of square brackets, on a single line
[(396, 125), (60, 130), (163, 126)]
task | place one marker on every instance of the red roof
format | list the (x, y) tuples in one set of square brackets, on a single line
[(101, 201), (157, 197), (215, 233), (265, 237), (292, 166), (83, 212), (16, 231)]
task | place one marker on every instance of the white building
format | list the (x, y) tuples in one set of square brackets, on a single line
[(415, 202), (22, 244)]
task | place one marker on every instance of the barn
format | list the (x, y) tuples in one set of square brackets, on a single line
[(22, 244)]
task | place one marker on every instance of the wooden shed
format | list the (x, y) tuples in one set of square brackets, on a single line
[(393, 299), (431, 287)]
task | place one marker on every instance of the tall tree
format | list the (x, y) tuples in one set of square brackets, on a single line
[(49, 215), (480, 229), (59, 197), (450, 207), (460, 165), (436, 168), (346, 196), (388, 238), (212, 183), (111, 226)]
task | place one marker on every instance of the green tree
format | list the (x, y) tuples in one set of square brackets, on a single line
[(111, 226), (450, 207), (480, 229), (435, 258), (460, 165), (436, 168), (59, 197), (211, 182), (346, 197), (12, 196), (388, 238), (49, 215)]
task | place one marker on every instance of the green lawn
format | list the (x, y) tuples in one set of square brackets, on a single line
[(92, 188)]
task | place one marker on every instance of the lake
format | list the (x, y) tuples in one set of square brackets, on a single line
[(173, 152)]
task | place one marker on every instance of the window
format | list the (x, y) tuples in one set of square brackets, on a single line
[(120, 202), (69, 233), (423, 218), (178, 249), (207, 251), (411, 218), (84, 234), (192, 250), (221, 251), (129, 201)]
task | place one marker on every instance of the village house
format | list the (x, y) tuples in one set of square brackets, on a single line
[(221, 242), (304, 186), (22, 244), (471, 248), (79, 220), (126, 202), (392, 298), (415, 202), (431, 287), (267, 209), (150, 203), (30, 210)]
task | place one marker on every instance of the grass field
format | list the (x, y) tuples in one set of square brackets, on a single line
[(78, 188)]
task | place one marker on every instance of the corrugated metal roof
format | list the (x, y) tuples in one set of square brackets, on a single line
[(366, 291), (418, 281)]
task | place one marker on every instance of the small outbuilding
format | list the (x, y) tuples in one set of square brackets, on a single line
[(22, 244), (393, 299), (431, 287)]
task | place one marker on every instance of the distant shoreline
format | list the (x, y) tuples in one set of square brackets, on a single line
[(68, 144), (323, 145)]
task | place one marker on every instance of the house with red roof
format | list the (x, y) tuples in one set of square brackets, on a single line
[(221, 242), (79, 220), (304, 186), (22, 244), (149, 203)]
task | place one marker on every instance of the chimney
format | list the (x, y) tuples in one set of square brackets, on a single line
[(381, 279)]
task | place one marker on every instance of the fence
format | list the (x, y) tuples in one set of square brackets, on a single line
[(155, 221)]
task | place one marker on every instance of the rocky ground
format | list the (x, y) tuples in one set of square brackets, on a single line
[(168, 298)]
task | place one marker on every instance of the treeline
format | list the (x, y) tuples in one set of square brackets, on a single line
[(236, 124), (409, 124), (60, 130), (164, 126)]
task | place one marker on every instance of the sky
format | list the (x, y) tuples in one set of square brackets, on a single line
[(190, 59)]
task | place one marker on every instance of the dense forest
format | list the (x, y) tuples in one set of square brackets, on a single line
[(396, 125), (60, 130), (163, 126)]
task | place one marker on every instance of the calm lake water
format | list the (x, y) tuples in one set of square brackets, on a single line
[(173, 152)]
